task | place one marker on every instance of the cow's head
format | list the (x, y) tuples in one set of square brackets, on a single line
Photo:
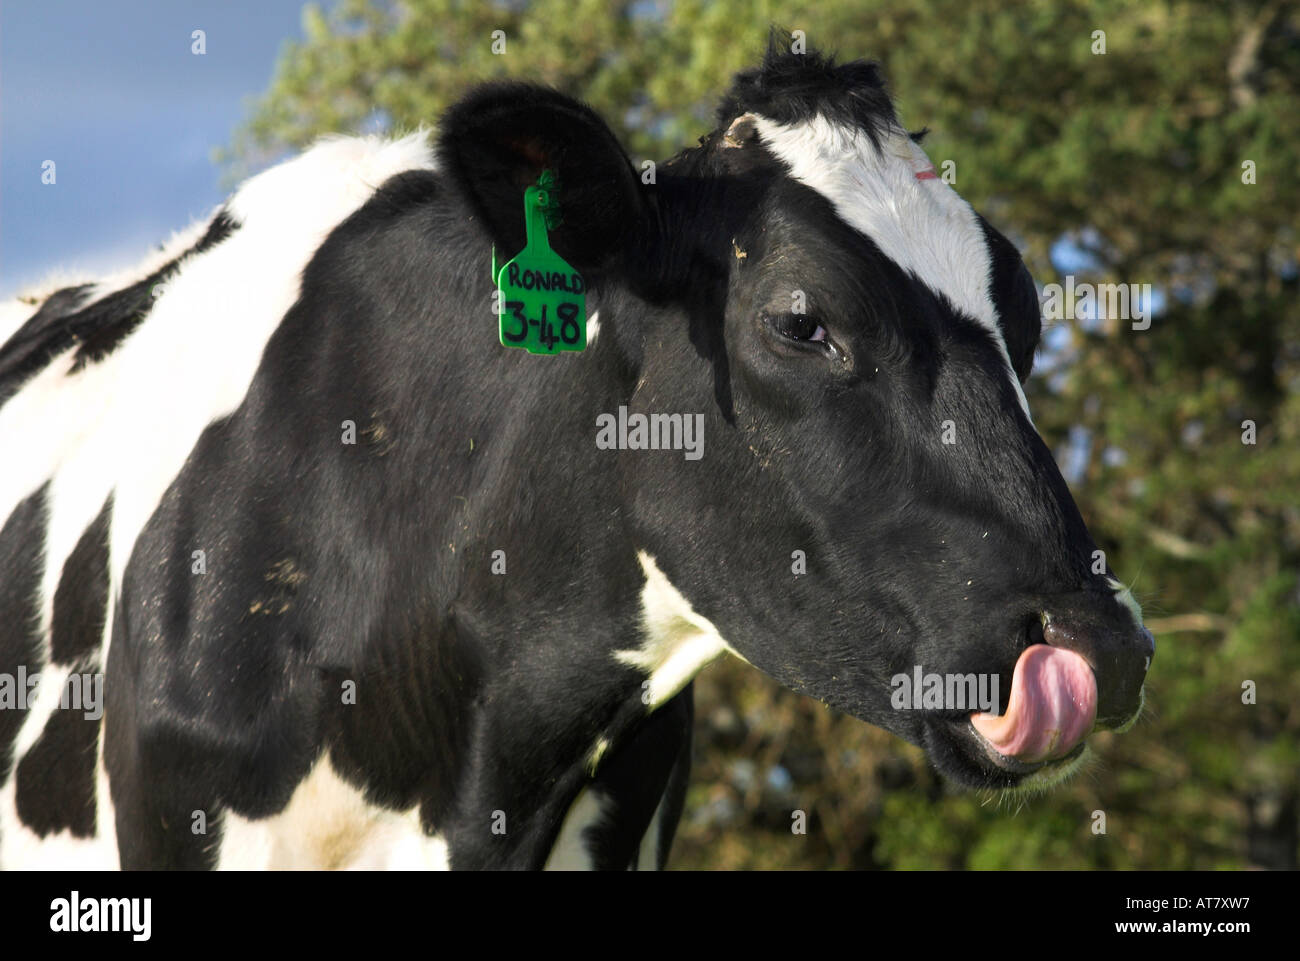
[(873, 500)]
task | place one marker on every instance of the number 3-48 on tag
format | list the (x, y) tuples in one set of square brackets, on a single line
[(540, 328)]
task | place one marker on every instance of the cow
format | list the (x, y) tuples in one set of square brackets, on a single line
[(302, 567)]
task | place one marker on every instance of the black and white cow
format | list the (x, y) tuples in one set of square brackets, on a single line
[(468, 638)]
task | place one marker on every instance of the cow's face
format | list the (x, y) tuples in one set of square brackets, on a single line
[(872, 502)]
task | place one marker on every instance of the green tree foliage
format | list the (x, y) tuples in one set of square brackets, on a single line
[(1136, 155)]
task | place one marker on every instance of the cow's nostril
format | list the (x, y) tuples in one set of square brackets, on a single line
[(1034, 632)]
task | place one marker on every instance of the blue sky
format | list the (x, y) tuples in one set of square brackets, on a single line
[(110, 91)]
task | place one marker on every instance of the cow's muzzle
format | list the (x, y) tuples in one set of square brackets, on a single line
[(1087, 673)]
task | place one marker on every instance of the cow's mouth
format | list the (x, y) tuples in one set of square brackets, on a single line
[(1051, 711)]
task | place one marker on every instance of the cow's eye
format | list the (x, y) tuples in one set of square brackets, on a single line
[(799, 327)]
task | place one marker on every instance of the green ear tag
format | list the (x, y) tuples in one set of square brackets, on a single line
[(543, 298)]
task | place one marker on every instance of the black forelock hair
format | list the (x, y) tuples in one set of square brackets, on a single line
[(792, 87)]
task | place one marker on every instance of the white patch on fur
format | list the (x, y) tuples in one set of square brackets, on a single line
[(175, 245), (75, 499), (677, 642), (570, 851), (105, 812), (128, 423), (205, 337), (921, 225), (597, 755), (593, 327), (329, 825)]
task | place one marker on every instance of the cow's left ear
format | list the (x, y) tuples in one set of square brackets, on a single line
[(496, 142)]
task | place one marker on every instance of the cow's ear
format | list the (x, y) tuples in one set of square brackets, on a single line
[(497, 141)]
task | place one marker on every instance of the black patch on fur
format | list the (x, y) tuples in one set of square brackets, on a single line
[(96, 329), (497, 141), (33, 345), (81, 599), (56, 777), (650, 765), (22, 547), (1016, 299)]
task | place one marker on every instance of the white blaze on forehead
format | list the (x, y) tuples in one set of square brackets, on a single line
[(893, 197)]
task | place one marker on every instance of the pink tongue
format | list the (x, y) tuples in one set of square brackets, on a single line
[(1052, 708)]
